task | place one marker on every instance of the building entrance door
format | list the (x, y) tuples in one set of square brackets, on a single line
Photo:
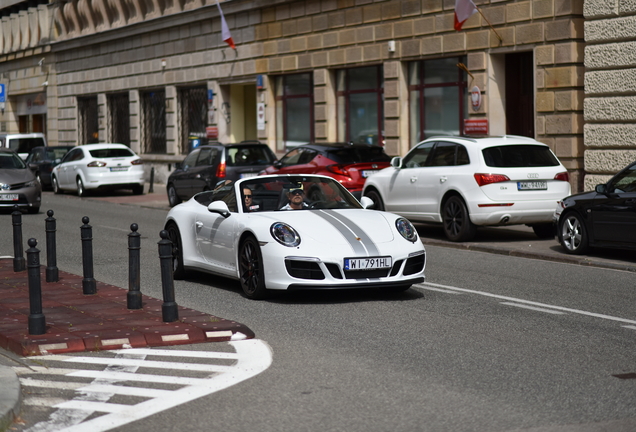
[(520, 94)]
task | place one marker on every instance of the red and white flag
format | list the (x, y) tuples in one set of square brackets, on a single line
[(225, 31), (464, 9)]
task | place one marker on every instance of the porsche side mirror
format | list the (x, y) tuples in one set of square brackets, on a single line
[(367, 203), (396, 162), (219, 207)]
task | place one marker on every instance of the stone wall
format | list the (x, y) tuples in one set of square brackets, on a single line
[(610, 88)]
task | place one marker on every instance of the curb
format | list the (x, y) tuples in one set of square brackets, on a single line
[(10, 397)]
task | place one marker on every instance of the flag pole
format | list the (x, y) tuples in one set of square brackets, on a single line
[(493, 29)]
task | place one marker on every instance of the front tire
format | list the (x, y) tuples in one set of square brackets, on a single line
[(173, 198), (251, 272), (572, 234), (178, 269), (457, 224), (374, 195), (56, 185)]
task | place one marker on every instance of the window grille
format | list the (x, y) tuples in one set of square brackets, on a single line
[(153, 105), (88, 132), (194, 111), (119, 113)]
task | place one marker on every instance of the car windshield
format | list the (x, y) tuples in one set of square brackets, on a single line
[(24, 145), (53, 153), (111, 153), (358, 154), (249, 155), (519, 156), (11, 161)]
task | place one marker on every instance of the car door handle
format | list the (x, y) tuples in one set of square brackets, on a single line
[(443, 179), (413, 179)]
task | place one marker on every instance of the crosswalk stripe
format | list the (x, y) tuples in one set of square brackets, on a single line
[(20, 370), (172, 353), (125, 390), (60, 385), (151, 364), (92, 406), (42, 402), (125, 376)]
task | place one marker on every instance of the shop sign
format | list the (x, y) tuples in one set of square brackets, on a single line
[(476, 126), (212, 132)]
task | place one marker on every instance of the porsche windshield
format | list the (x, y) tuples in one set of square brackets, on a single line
[(294, 193)]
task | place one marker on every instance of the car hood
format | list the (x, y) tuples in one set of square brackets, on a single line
[(338, 227), (13, 176)]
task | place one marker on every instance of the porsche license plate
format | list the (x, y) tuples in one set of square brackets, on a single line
[(370, 263), (9, 197), (532, 185)]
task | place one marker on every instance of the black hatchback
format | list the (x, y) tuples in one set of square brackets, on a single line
[(207, 165), (605, 217)]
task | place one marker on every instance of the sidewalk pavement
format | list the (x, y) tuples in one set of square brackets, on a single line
[(76, 322)]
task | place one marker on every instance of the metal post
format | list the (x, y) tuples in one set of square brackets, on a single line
[(52, 274), (18, 255), (89, 286), (37, 322), (152, 180), (134, 268), (169, 308)]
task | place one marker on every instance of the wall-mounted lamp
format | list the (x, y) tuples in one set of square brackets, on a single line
[(41, 62), (163, 63), (391, 46), (45, 84)]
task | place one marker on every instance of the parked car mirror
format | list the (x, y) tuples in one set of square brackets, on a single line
[(219, 207), (396, 162), (33, 166), (367, 202), (601, 189), (177, 166), (277, 164)]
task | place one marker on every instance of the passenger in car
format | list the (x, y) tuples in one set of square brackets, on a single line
[(296, 199)]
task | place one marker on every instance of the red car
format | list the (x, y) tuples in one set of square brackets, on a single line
[(350, 164)]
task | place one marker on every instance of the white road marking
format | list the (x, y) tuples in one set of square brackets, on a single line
[(532, 308), (560, 308), (251, 358), (630, 327), (445, 291), (59, 385), (42, 402)]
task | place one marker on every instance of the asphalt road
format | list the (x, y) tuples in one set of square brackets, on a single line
[(491, 342)]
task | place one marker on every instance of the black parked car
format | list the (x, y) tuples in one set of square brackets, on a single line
[(42, 159), (605, 217), (207, 165)]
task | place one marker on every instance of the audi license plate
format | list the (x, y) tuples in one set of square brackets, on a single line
[(368, 173), (532, 185), (368, 263), (9, 197)]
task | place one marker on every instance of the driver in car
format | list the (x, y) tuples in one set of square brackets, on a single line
[(296, 199)]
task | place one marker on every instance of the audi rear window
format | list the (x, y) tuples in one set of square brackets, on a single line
[(111, 153), (358, 155), (519, 156)]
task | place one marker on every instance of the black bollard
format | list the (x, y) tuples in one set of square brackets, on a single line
[(152, 180), (18, 255), (52, 274), (134, 268), (37, 322), (169, 308), (89, 286)]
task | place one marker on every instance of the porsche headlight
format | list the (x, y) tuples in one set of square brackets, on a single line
[(285, 234), (406, 229)]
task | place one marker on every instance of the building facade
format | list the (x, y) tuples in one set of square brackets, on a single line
[(157, 76)]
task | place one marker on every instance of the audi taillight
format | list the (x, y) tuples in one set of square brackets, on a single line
[(563, 176), (220, 170), (486, 179), (137, 162), (338, 169), (96, 164)]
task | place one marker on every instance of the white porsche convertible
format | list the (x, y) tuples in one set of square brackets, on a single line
[(293, 232)]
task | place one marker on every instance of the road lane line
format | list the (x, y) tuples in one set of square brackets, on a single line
[(151, 364), (445, 291), (560, 308), (532, 308)]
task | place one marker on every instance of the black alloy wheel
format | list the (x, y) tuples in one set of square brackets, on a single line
[(173, 198), (374, 195), (178, 269), (457, 224), (251, 272), (572, 234)]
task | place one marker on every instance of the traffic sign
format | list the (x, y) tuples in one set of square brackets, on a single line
[(3, 94)]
